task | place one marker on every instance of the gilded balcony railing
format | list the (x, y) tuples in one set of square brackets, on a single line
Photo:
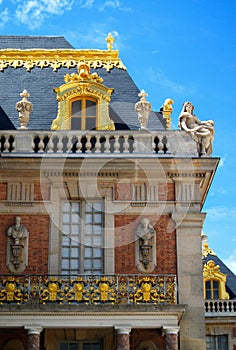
[(88, 289), (97, 143)]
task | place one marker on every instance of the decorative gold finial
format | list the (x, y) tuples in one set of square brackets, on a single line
[(110, 40), (167, 111), (205, 247)]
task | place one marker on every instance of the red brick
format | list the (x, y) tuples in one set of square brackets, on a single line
[(125, 227), (38, 227)]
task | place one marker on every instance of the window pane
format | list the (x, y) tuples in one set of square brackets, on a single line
[(91, 108), (66, 218), (97, 264), (210, 343), (75, 252), (97, 252), (88, 218), (98, 218), (88, 241), (65, 252), (222, 342), (87, 264), (88, 252), (75, 264), (65, 240), (64, 264), (75, 123), (90, 123), (76, 108)]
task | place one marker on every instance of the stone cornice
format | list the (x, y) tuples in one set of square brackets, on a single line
[(58, 58)]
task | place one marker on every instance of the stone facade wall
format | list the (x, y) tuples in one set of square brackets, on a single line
[(38, 227), (125, 227), (3, 191)]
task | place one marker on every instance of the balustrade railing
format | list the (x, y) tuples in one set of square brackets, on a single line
[(88, 289), (220, 306), (96, 142)]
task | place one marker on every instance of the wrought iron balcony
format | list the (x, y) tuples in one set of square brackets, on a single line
[(220, 308), (88, 289), (97, 143)]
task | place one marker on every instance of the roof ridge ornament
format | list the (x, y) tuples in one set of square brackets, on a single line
[(110, 40)]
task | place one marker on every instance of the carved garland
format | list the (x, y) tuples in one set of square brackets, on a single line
[(56, 59)]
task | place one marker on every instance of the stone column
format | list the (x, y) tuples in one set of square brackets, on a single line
[(33, 342), (171, 338), (122, 338), (190, 279)]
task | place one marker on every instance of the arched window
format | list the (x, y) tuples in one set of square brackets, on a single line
[(84, 113), (212, 289)]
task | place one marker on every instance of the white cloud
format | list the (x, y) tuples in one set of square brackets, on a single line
[(219, 213), (94, 36), (230, 262), (87, 4), (4, 17), (160, 78), (32, 13)]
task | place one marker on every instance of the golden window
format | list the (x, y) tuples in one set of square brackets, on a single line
[(84, 114)]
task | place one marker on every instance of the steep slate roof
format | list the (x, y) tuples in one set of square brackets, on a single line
[(231, 278), (41, 82), (33, 42)]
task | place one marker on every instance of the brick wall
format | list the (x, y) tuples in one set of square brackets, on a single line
[(125, 227), (38, 227), (41, 192)]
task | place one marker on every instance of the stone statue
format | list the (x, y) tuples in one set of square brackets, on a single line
[(143, 108), (17, 231), (145, 246), (145, 231), (17, 246), (201, 131), (24, 107)]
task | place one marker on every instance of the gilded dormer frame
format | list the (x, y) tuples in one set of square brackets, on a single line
[(211, 272), (80, 85)]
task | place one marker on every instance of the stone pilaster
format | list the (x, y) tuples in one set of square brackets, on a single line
[(33, 340), (190, 279), (122, 338), (171, 338)]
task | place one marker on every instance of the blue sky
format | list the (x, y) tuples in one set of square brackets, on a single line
[(183, 49)]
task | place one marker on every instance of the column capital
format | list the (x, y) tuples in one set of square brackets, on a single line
[(171, 329), (123, 329), (33, 330)]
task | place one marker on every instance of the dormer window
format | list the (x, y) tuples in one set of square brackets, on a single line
[(212, 289), (214, 282), (83, 102), (84, 114)]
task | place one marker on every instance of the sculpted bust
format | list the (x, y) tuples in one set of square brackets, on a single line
[(17, 231), (17, 246)]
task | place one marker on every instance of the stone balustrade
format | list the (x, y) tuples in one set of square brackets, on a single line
[(220, 308), (97, 143)]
